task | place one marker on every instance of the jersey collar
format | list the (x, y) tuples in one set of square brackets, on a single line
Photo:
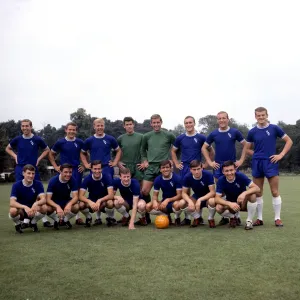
[(97, 179), (70, 140), (226, 130), (27, 137), (126, 185), (27, 185), (60, 180), (99, 137), (198, 178), (264, 127), (164, 178), (231, 181), (191, 134)]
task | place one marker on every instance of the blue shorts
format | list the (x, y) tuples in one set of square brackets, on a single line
[(19, 173), (264, 168), (77, 176), (203, 203), (169, 208), (106, 169), (185, 170)]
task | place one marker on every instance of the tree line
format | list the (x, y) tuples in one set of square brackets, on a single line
[(84, 121)]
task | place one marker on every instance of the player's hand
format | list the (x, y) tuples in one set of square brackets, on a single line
[(276, 158), (155, 205), (67, 209), (241, 198), (16, 159), (28, 211), (238, 163), (59, 211), (163, 205), (80, 168), (191, 206), (36, 207), (119, 200), (93, 206), (214, 165), (140, 167), (198, 205), (146, 164), (121, 165), (234, 206), (87, 166), (112, 164), (179, 166), (131, 226), (98, 204), (57, 169)]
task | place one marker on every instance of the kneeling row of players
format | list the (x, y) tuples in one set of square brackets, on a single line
[(235, 192)]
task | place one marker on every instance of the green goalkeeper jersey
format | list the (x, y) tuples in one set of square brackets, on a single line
[(156, 146), (131, 147)]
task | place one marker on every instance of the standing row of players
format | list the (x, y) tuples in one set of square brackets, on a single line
[(142, 155)]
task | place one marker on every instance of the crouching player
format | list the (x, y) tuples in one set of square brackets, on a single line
[(27, 200), (129, 200), (62, 197), (240, 194), (171, 187), (203, 185), (100, 198)]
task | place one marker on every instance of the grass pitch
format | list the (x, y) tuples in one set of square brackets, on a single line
[(175, 263)]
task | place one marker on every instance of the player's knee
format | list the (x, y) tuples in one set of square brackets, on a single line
[(176, 206), (219, 209), (145, 192), (148, 207), (182, 204), (82, 205), (110, 204), (211, 202), (275, 192), (252, 198), (141, 206), (13, 212), (75, 208), (43, 209)]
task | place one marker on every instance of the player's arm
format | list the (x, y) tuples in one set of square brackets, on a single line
[(144, 148), (232, 205), (83, 198), (14, 204), (174, 158), (117, 157), (211, 153), (43, 155), (73, 201), (243, 155), (164, 203), (252, 189), (133, 212), (109, 196), (210, 194), (51, 203), (84, 159), (51, 156), (9, 150), (186, 197), (209, 156), (285, 150), (154, 200)]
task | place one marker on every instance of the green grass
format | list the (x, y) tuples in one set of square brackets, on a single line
[(176, 263)]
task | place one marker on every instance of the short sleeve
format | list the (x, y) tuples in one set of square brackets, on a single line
[(209, 139), (186, 182), (50, 186), (56, 147), (14, 142), (219, 189), (86, 145), (42, 143), (247, 181), (114, 143), (109, 181), (250, 137), (178, 184), (280, 133), (39, 188), (210, 179), (115, 184), (176, 143), (14, 191), (84, 184), (156, 185), (74, 186), (239, 136), (136, 188)]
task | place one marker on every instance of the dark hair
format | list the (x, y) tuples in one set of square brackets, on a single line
[(188, 117), (165, 163), (71, 124), (125, 171), (228, 163), (65, 166), (27, 121), (96, 162), (29, 168), (155, 116), (128, 119), (195, 163), (260, 109)]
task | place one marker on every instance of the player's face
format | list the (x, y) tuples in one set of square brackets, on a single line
[(28, 176), (223, 121), (26, 128), (156, 124), (66, 174), (129, 127), (71, 131), (99, 128), (166, 170), (261, 117), (97, 171), (125, 178), (189, 125), (197, 172), (229, 172)]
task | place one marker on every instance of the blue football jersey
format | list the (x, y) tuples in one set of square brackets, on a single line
[(168, 186), (127, 192)]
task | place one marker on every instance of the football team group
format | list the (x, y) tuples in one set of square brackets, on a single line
[(144, 163)]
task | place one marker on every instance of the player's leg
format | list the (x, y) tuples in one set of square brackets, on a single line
[(122, 206), (141, 210), (153, 211), (276, 199), (226, 213), (249, 205), (14, 215), (109, 210), (53, 215), (211, 206), (192, 212), (86, 211), (38, 216), (177, 205), (71, 214), (167, 211), (259, 200)]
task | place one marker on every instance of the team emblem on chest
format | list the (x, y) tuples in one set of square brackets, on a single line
[(33, 190), (31, 142), (195, 140), (171, 183), (237, 185), (267, 132), (104, 141), (229, 135)]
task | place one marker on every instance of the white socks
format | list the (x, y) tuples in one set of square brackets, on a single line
[(211, 212), (277, 206), (109, 212), (86, 213), (260, 204), (156, 212), (44, 219), (37, 217), (177, 213), (54, 217), (16, 219), (122, 210), (98, 215), (227, 214), (141, 214), (251, 208), (69, 216)]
